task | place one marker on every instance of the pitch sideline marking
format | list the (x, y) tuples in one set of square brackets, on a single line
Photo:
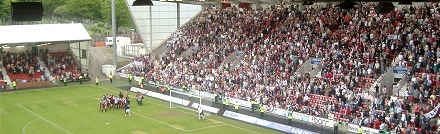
[(243, 129), (24, 128), (206, 127), (160, 121), (210, 119), (44, 119), (190, 114)]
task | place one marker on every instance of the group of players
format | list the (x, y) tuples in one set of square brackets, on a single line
[(118, 102), (121, 101)]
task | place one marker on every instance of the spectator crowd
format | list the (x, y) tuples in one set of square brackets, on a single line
[(356, 47), (138, 66), (61, 65), (22, 67)]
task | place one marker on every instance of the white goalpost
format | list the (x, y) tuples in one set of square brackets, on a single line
[(182, 100)]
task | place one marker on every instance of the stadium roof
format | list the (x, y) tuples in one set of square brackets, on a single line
[(43, 33)]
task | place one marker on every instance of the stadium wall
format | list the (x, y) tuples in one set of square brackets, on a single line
[(107, 69), (81, 52)]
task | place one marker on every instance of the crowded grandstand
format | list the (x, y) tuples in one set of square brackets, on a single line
[(26, 67), (356, 46)]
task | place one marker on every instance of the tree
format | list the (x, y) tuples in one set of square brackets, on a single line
[(51, 5), (123, 17), (88, 9), (61, 11), (5, 11)]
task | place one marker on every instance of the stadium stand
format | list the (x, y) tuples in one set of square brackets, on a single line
[(23, 67), (138, 66), (61, 65), (357, 46)]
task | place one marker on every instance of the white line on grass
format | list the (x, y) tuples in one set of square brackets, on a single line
[(243, 129), (190, 114), (175, 109), (160, 122), (147, 116), (24, 128), (44, 119), (208, 119), (206, 127)]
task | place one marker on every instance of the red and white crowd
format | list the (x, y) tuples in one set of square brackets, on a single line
[(22, 67), (61, 64), (356, 47)]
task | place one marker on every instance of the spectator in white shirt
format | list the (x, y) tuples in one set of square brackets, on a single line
[(403, 120), (306, 100)]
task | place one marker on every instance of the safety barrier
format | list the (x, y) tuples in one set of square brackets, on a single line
[(99, 44)]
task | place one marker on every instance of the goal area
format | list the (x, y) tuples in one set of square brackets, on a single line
[(185, 101)]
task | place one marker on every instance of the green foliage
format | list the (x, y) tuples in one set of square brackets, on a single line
[(5, 10), (101, 24), (123, 17), (88, 9), (68, 10), (50, 6), (25, 0), (61, 11), (99, 29)]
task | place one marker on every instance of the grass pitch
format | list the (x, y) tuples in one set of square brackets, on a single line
[(75, 109)]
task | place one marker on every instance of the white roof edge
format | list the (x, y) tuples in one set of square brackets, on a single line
[(42, 33)]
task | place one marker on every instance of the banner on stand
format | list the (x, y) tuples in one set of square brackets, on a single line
[(316, 61), (354, 128)]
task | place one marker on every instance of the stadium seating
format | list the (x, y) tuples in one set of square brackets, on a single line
[(138, 67), (356, 49), (22, 67), (61, 64)]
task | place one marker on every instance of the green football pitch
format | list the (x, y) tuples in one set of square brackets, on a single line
[(75, 109)]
